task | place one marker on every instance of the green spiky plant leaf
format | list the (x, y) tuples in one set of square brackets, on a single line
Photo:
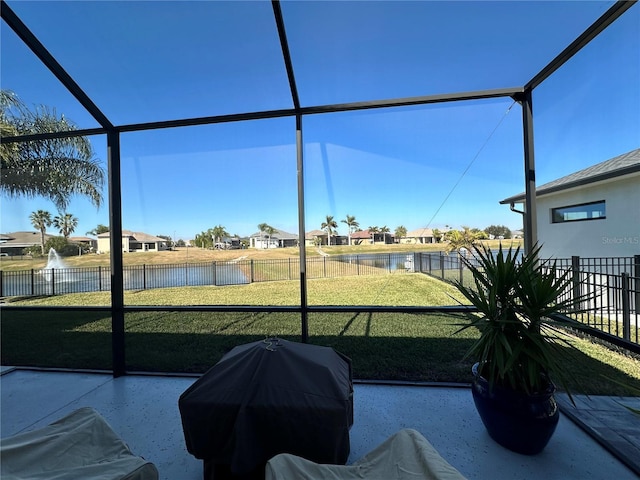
[(520, 346)]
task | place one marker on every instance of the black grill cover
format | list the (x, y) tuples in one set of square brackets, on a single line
[(269, 397)]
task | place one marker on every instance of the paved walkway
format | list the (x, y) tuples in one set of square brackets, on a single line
[(611, 424)]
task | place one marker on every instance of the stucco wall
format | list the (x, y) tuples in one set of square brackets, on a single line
[(616, 235), (104, 244)]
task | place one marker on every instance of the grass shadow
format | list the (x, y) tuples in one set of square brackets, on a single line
[(382, 346)]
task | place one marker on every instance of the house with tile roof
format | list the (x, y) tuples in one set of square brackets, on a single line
[(363, 237), (88, 242), (14, 243), (315, 237), (594, 212), (421, 235), (319, 237), (278, 239), (133, 242)]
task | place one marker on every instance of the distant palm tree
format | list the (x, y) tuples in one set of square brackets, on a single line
[(66, 224), (202, 240), (268, 230), (384, 230), (329, 224), (218, 233), (98, 230), (400, 232), (40, 220), (373, 230), (351, 224), (464, 239)]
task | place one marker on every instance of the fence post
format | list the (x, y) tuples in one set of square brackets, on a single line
[(251, 271), (53, 281), (33, 282), (99, 278), (626, 308), (430, 264), (289, 265), (442, 265), (186, 274), (358, 265), (389, 256), (636, 281), (575, 269), (144, 276), (324, 267), (215, 273), (460, 267)]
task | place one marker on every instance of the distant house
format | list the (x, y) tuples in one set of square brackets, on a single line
[(319, 237), (421, 235), (594, 212), (363, 237), (14, 243), (228, 243), (315, 237), (133, 242), (88, 242), (278, 239)]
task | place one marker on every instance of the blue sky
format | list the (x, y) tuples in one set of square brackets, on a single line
[(151, 61)]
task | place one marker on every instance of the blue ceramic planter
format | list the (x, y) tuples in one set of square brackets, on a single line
[(522, 423)]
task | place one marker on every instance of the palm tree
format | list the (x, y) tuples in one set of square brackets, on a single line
[(98, 230), (329, 224), (351, 224), (202, 240), (458, 240), (400, 232), (40, 220), (384, 230), (66, 224), (268, 230), (8, 100), (373, 230), (56, 168), (436, 235), (218, 233)]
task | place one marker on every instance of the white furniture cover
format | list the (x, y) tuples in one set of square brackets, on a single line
[(407, 455), (81, 445)]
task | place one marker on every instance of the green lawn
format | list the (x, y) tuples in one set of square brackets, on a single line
[(390, 346)]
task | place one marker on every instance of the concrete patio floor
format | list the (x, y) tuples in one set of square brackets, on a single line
[(143, 410)]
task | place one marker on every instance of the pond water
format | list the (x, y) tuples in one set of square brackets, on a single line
[(55, 281)]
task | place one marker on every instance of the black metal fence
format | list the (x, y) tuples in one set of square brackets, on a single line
[(59, 281), (609, 287), (612, 284), (604, 265), (448, 267), (611, 303)]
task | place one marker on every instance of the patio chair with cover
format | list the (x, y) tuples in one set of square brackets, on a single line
[(80, 445), (407, 455)]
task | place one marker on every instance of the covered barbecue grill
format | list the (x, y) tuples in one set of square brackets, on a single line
[(269, 397)]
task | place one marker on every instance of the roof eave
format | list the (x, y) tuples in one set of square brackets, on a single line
[(576, 183)]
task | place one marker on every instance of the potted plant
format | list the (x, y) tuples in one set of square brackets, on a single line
[(521, 349)]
